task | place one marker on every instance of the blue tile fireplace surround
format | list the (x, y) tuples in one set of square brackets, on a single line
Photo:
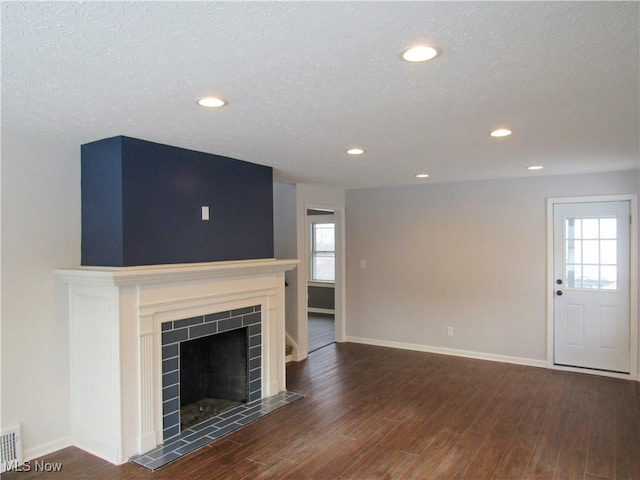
[(176, 332), (179, 442)]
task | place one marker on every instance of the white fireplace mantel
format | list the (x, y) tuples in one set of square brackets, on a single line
[(115, 316)]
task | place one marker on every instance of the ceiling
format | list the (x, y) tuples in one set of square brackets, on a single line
[(305, 81)]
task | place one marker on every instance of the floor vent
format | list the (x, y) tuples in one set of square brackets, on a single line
[(10, 449)]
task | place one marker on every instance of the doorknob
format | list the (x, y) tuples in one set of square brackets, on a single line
[(559, 281), (559, 293)]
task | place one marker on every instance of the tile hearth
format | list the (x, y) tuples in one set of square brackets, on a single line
[(210, 430)]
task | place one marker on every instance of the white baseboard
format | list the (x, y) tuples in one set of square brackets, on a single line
[(47, 448), (294, 357), (531, 362)]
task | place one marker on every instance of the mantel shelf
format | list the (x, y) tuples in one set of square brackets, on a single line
[(154, 274)]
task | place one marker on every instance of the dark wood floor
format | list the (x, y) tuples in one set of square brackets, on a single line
[(321, 330), (373, 412)]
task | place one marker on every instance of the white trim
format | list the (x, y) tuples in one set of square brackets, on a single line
[(327, 311), (492, 357), (293, 358), (316, 283), (183, 272), (290, 341), (47, 448), (633, 288), (311, 221)]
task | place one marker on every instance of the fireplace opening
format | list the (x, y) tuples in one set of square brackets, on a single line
[(214, 375)]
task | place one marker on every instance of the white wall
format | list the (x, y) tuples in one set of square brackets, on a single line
[(285, 246), (467, 255), (313, 196), (40, 232)]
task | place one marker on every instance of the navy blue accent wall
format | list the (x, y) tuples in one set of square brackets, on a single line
[(159, 197), (101, 183)]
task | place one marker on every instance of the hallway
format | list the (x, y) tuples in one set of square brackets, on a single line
[(321, 330)]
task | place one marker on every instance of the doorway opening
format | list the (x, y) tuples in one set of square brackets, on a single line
[(321, 281)]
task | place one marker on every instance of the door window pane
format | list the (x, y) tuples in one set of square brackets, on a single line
[(574, 276), (591, 253), (574, 251), (590, 228), (608, 228), (590, 276), (609, 278), (608, 252)]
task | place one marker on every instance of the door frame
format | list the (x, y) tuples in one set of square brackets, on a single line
[(633, 279), (303, 277)]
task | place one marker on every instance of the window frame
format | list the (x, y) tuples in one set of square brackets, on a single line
[(320, 220)]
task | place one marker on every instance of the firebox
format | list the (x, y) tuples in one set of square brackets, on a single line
[(213, 376), (210, 364)]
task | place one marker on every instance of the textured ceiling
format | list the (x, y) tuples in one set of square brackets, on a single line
[(307, 80)]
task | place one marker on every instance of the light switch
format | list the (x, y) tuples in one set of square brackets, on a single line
[(363, 264), (205, 212)]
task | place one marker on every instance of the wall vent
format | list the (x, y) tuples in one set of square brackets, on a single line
[(11, 449)]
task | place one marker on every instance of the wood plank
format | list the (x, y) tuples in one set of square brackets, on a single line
[(380, 462), (427, 463), (330, 460), (627, 430), (601, 454), (460, 456), (513, 463), (571, 465), (495, 446)]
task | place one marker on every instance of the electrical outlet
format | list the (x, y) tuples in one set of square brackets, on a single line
[(449, 331)]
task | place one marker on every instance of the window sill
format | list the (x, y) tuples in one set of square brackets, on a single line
[(316, 283)]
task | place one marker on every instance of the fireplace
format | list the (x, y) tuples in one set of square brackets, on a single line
[(210, 364), (119, 319)]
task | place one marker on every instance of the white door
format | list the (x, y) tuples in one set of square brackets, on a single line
[(591, 290)]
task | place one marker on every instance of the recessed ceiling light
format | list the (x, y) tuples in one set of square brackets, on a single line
[(422, 175), (420, 53), (211, 102), (355, 151), (535, 167), (501, 132)]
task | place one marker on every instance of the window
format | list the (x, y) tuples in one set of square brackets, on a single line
[(591, 258), (323, 252)]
